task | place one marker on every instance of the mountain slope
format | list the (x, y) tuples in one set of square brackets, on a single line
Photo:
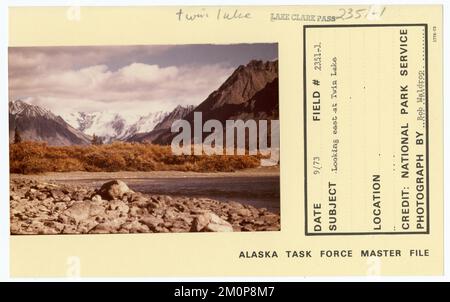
[(37, 124), (251, 92), (163, 126), (178, 113)]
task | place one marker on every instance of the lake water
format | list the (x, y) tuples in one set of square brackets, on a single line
[(258, 191)]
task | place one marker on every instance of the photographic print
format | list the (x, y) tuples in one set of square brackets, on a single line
[(248, 140), (144, 139)]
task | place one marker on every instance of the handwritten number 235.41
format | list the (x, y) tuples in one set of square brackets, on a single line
[(350, 13)]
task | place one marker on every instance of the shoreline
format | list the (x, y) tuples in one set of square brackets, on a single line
[(81, 175), (41, 207)]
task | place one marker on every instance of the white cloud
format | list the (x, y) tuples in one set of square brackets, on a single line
[(134, 88), (145, 74)]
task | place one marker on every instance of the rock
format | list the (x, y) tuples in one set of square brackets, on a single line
[(137, 211), (235, 204), (243, 212), (35, 226), (152, 205), (151, 221), (162, 229), (96, 210), (135, 227), (271, 228), (178, 230), (157, 212), (210, 222), (271, 218), (118, 205), (155, 202), (180, 224), (114, 189), (199, 223), (47, 231), (87, 225), (14, 197), (78, 196), (181, 207), (70, 229), (234, 216), (196, 211), (129, 195), (57, 194), (31, 194), (79, 211), (259, 222), (41, 196), (40, 186), (247, 228), (48, 202), (170, 215), (218, 225), (185, 219), (219, 228), (107, 227), (58, 227), (16, 228), (96, 198), (134, 196), (100, 219), (140, 202), (59, 206), (42, 208)]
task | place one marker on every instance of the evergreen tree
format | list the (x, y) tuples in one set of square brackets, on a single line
[(17, 137), (96, 140)]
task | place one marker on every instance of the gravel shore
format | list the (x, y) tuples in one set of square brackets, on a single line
[(39, 207)]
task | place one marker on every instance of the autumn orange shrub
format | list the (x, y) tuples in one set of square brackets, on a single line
[(34, 157)]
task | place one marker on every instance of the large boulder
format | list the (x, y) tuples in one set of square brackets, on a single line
[(114, 189)]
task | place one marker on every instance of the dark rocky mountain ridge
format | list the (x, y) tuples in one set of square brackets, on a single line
[(251, 92)]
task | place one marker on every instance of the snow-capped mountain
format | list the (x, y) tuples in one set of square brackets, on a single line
[(251, 92), (144, 124), (20, 108), (164, 125), (113, 126), (35, 123)]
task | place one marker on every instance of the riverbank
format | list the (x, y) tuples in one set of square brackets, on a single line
[(38, 206), (258, 187), (78, 175)]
